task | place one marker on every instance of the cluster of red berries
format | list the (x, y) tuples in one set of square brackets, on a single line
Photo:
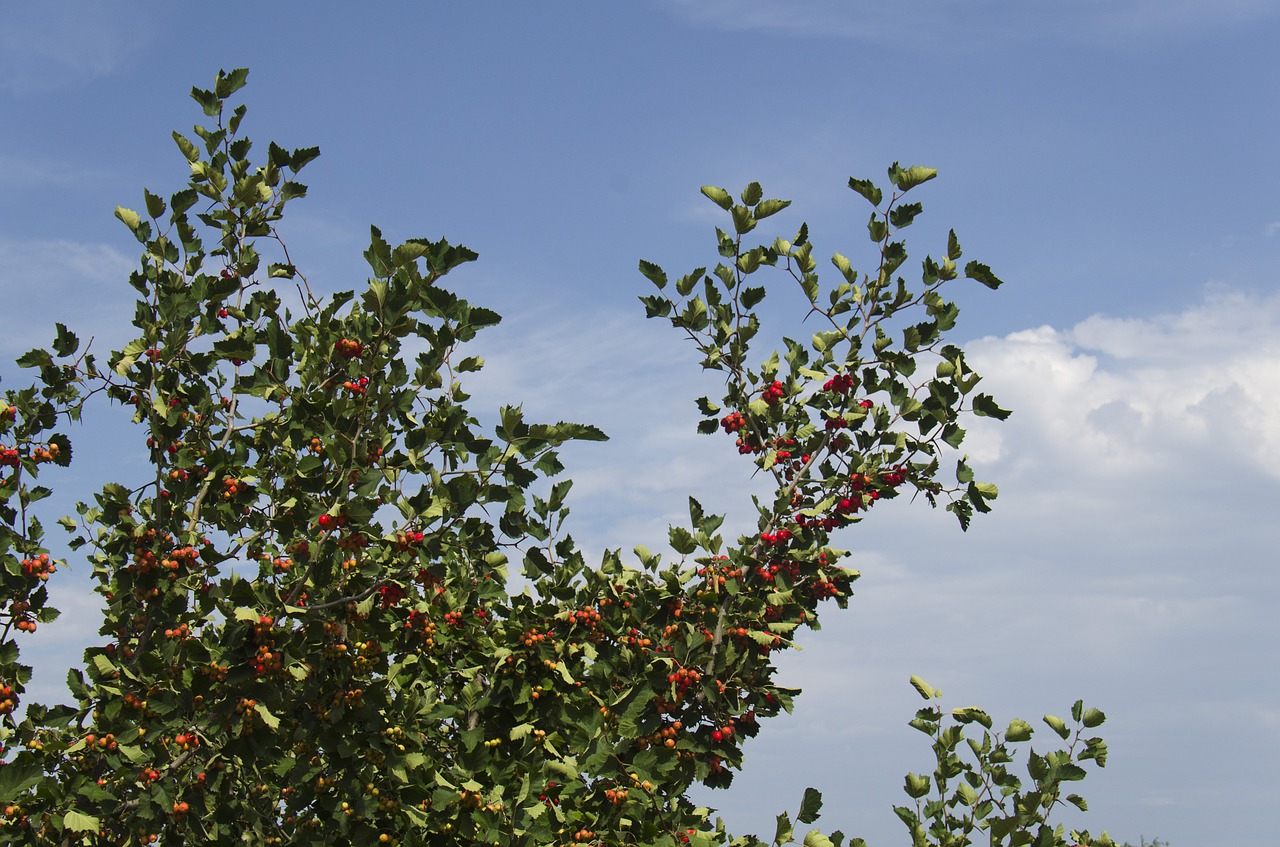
[(773, 392), (821, 589), (839, 384), (683, 679), (358, 386), (895, 477), (8, 700), (9, 457), (22, 620), (722, 733), (589, 617), (105, 742), (828, 523), (348, 349), (426, 630), (390, 594), (733, 422), (266, 660), (405, 540), (46, 454), (776, 539), (327, 521), (186, 740), (770, 571), (550, 794), (39, 567)]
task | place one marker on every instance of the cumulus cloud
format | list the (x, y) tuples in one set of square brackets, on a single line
[(1124, 395)]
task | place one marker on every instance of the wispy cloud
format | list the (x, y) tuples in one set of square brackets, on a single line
[(39, 170), (46, 46), (64, 278), (986, 20)]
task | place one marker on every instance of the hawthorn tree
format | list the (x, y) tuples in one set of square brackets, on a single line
[(308, 633)]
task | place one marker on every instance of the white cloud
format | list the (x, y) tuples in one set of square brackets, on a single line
[(1123, 395)]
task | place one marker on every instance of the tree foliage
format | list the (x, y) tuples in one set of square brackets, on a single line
[(310, 634)]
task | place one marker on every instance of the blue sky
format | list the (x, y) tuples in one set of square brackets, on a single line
[(1113, 160)]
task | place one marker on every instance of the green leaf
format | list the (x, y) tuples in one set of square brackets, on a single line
[(752, 193), (1019, 730), (908, 178), (1058, 725), (17, 776), (953, 246), (916, 786), (972, 714), (867, 189), (903, 215), (846, 269), (983, 274), (229, 82), (1071, 772), (810, 806), (188, 149), (129, 217), (718, 196), (814, 838), (1092, 718), (765, 208), (877, 228), (655, 274), (924, 689), (155, 205), (301, 156), (78, 822), (66, 341), (35, 359), (269, 719), (985, 406), (783, 830), (682, 540)]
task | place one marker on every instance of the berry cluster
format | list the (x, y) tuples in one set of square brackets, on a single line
[(733, 422), (357, 387), (348, 349), (39, 567), (773, 392), (839, 384), (20, 613), (776, 539)]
